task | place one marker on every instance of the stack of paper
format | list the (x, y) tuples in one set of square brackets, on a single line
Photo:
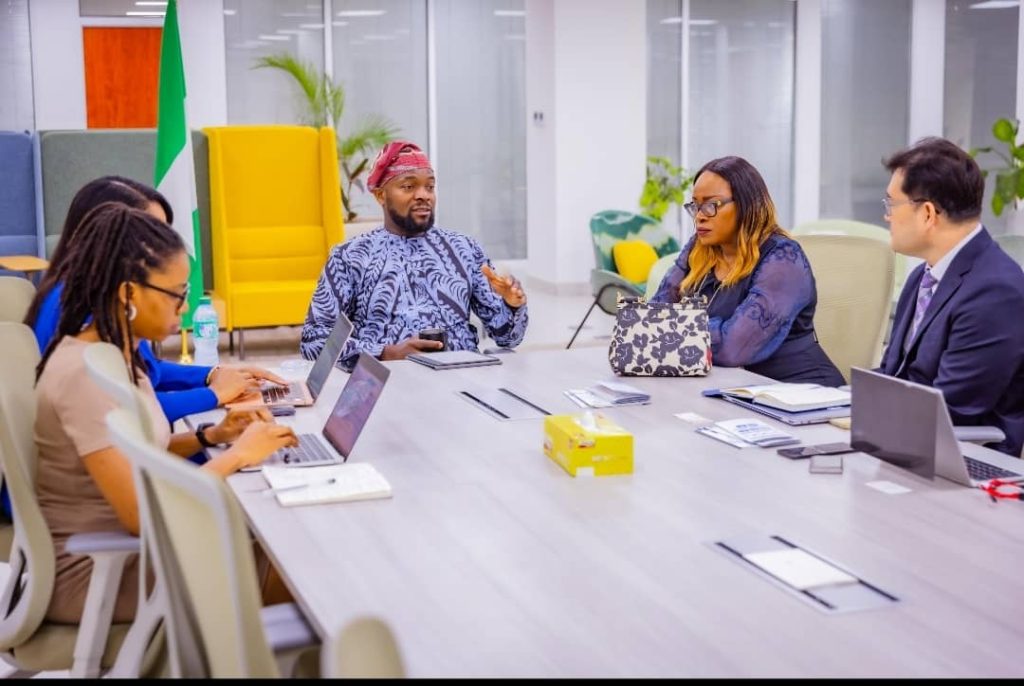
[(746, 433), (608, 394), (328, 484)]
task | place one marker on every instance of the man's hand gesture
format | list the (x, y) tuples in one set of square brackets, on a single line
[(508, 287)]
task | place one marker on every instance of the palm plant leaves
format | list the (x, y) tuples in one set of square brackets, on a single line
[(324, 105)]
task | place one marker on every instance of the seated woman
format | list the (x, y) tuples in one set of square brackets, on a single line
[(758, 284), (126, 279), (181, 389)]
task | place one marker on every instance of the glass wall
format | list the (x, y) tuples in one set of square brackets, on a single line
[(741, 88), (981, 81), (16, 110), (481, 122), (740, 95), (865, 102), (261, 28), (664, 73), (380, 57)]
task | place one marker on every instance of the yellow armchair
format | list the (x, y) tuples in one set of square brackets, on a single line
[(275, 206)]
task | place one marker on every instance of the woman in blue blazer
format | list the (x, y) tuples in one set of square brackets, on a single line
[(181, 389)]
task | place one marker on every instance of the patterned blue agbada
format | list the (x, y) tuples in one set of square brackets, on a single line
[(766, 321), (391, 287)]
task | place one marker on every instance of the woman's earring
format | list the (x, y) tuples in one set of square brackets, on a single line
[(131, 312)]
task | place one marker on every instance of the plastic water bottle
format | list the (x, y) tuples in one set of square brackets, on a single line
[(205, 333)]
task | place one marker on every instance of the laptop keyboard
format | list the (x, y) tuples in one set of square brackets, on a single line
[(310, 450), (276, 394), (983, 471)]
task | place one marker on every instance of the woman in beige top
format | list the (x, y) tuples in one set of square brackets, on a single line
[(127, 281)]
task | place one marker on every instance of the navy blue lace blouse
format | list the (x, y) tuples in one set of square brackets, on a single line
[(765, 322)]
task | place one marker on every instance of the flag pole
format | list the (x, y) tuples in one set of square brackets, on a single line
[(185, 358), (174, 173)]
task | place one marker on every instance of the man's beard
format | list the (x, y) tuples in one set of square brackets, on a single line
[(407, 224)]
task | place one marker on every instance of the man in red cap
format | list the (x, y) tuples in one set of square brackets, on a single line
[(409, 276)]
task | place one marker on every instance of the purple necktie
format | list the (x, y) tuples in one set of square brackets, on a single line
[(924, 296)]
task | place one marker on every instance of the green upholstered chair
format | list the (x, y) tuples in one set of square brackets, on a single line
[(606, 229)]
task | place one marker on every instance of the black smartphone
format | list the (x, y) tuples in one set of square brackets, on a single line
[(808, 450), (282, 411), (438, 335)]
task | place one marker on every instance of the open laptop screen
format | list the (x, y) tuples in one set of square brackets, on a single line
[(328, 356), (895, 420), (355, 404)]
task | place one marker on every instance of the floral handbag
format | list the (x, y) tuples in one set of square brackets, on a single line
[(661, 339)]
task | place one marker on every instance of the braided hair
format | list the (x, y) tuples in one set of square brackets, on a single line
[(118, 245), (104, 189)]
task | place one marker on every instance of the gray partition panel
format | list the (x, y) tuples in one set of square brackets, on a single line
[(70, 159)]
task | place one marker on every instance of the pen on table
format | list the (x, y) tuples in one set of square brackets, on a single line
[(282, 489)]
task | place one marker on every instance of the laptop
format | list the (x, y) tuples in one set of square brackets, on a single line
[(791, 418), (303, 393), (346, 422), (907, 425)]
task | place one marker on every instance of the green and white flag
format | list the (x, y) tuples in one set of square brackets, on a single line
[(175, 174)]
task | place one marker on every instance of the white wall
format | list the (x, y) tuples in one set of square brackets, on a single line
[(927, 69), (58, 68), (586, 66), (58, 65)]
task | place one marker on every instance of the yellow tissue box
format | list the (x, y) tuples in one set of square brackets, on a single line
[(588, 447)]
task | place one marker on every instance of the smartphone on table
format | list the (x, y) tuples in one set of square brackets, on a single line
[(803, 451)]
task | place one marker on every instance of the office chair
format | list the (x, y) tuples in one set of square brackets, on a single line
[(204, 555), (606, 283), (27, 640), (16, 295), (364, 649), (854, 277)]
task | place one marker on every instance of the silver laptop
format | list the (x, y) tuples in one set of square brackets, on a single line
[(346, 422), (907, 425), (303, 393)]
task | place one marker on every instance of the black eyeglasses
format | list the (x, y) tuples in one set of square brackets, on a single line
[(709, 208), (889, 203), (182, 297)]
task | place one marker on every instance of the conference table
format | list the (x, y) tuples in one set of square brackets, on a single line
[(491, 560)]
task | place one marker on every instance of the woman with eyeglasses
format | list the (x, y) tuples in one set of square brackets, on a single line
[(757, 281), (124, 279), (181, 389)]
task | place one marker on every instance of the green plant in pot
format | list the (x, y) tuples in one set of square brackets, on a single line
[(666, 185), (324, 105), (1009, 186)]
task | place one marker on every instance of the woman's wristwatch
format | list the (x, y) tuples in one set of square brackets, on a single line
[(201, 435)]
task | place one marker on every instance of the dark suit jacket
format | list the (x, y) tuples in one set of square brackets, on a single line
[(970, 344)]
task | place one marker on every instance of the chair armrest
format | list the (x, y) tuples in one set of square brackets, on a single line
[(979, 434), (102, 542), (109, 551)]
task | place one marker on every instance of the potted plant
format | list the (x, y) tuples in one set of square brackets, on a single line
[(665, 186), (324, 105), (1009, 186)]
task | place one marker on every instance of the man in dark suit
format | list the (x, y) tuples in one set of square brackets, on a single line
[(959, 324)]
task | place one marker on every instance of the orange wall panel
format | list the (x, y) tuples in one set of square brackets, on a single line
[(122, 68)]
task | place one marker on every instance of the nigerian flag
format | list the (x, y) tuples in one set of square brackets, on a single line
[(175, 175)]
